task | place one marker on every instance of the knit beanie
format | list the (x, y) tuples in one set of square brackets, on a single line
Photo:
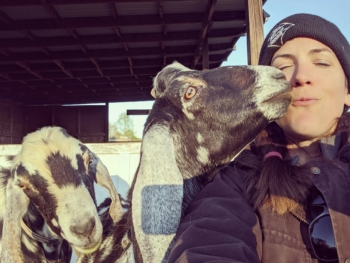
[(311, 26)]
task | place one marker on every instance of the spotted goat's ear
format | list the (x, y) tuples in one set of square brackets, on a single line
[(104, 179), (161, 81), (16, 206)]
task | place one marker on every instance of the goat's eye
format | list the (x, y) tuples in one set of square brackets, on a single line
[(90, 162), (21, 185), (190, 92)]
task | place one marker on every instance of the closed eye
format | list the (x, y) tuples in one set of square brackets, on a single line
[(322, 63), (284, 66)]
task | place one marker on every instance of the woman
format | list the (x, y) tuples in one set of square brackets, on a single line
[(286, 199)]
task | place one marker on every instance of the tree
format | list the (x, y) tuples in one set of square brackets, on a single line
[(123, 128)]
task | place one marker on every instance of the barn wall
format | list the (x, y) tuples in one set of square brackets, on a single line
[(11, 123), (89, 124)]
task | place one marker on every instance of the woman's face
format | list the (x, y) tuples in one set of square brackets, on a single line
[(319, 88)]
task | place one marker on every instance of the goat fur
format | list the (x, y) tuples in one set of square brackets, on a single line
[(199, 122), (49, 185)]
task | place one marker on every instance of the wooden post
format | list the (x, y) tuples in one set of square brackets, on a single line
[(11, 125), (53, 115), (106, 139), (79, 122), (255, 29), (205, 54)]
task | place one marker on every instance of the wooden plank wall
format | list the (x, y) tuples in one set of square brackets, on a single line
[(89, 124), (11, 123)]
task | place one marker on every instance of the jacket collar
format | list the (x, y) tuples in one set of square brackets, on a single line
[(330, 146)]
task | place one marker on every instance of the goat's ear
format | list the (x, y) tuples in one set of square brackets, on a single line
[(104, 179), (158, 193), (16, 206), (161, 81)]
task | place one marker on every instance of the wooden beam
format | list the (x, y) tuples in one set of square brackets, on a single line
[(85, 95), (91, 94), (61, 65), (73, 82), (205, 55), (113, 53), (137, 112), (112, 39), (106, 122), (5, 19), (8, 3), (113, 10), (108, 21), (83, 74), (71, 100), (26, 66), (204, 30), (51, 10), (255, 30), (109, 64), (141, 64)]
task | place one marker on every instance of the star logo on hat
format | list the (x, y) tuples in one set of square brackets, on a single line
[(275, 40)]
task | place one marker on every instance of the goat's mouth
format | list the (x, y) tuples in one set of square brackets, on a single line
[(88, 249), (279, 97)]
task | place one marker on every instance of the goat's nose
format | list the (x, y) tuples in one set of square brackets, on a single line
[(84, 229), (278, 76)]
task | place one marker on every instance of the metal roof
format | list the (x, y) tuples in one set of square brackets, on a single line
[(89, 51)]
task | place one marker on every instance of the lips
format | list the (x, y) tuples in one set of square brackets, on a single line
[(304, 101)]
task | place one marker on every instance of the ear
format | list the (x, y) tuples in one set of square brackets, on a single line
[(347, 99), (347, 94), (104, 179), (157, 195), (161, 81), (16, 206)]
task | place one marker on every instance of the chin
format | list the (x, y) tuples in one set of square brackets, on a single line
[(309, 132)]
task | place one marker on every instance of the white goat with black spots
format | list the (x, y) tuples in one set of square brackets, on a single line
[(48, 201), (199, 122)]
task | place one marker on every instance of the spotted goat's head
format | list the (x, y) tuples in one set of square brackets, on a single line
[(56, 173)]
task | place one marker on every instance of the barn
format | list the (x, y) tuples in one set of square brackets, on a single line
[(59, 56)]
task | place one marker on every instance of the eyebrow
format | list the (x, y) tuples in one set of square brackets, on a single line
[(283, 56), (319, 50)]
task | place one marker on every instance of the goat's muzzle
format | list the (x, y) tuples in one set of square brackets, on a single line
[(87, 250), (84, 229)]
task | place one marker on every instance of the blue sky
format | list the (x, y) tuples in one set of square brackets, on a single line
[(336, 11)]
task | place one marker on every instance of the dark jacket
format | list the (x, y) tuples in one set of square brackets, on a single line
[(221, 226)]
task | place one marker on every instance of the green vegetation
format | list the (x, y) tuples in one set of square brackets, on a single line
[(122, 129)]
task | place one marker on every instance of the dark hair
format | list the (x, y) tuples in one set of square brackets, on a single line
[(275, 182)]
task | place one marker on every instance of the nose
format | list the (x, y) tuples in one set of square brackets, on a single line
[(84, 228), (300, 77)]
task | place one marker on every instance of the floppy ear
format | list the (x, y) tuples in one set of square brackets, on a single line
[(157, 195), (16, 206), (160, 82), (104, 179)]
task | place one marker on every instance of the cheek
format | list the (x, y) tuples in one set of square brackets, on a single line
[(338, 96)]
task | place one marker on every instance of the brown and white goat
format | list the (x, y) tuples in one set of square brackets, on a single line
[(48, 201), (199, 122)]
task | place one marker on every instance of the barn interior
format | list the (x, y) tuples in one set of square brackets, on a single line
[(59, 56)]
